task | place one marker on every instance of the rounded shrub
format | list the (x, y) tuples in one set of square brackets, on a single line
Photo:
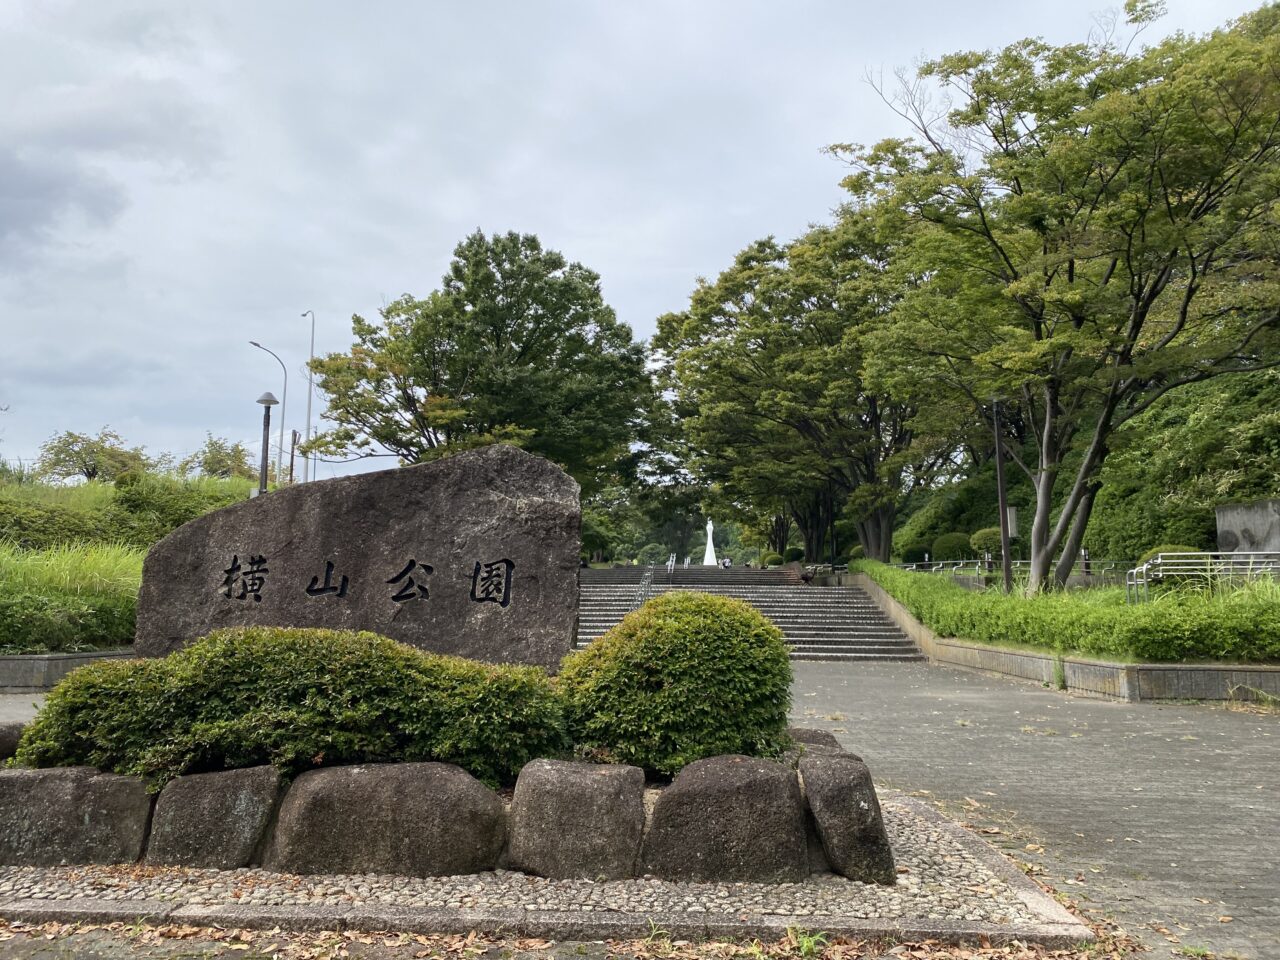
[(1166, 548), (915, 553), (986, 540), (652, 553), (687, 676), (951, 546), (296, 698), (771, 560), (792, 554)]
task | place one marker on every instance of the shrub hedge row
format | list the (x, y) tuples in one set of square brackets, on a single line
[(63, 622), (687, 676), (1240, 624)]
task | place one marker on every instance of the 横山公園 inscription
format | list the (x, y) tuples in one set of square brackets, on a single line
[(474, 555)]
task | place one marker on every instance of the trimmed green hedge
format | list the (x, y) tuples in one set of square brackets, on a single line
[(61, 622), (687, 676), (771, 560), (297, 699), (1240, 624), (951, 546)]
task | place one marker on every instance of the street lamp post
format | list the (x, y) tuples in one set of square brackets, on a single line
[(284, 405), (310, 390), (268, 401)]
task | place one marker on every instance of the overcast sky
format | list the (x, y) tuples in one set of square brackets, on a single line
[(177, 179)]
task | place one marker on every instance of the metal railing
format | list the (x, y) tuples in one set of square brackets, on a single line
[(1206, 567)]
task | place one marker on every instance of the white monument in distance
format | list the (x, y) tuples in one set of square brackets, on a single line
[(709, 558)]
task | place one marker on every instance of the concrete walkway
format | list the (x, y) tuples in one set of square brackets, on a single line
[(19, 706), (1164, 816)]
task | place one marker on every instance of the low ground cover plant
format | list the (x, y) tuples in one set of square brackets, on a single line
[(1236, 623), (296, 698), (67, 598), (687, 676)]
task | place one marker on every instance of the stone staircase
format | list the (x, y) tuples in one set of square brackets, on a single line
[(819, 623)]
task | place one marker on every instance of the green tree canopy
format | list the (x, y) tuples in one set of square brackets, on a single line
[(219, 457), (1093, 228), (104, 457), (516, 346)]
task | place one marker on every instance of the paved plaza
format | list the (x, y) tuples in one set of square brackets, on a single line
[(1164, 816)]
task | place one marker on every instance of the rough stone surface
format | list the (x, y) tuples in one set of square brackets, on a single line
[(213, 820), (842, 799), (809, 741), (577, 820), (729, 818), (415, 819), (337, 554), (10, 734), (71, 815)]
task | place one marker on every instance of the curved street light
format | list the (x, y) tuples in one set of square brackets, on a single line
[(284, 401)]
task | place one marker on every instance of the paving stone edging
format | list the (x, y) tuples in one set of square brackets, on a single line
[(40, 672), (1057, 927), (1130, 682)]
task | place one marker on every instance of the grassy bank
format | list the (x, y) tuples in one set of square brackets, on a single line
[(68, 598), (1239, 623)]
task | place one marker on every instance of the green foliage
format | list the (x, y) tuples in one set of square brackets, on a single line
[(517, 346), (57, 621), (72, 568), (38, 526), (686, 676), (1091, 226), (297, 699), (771, 560), (1165, 548), (915, 553), (104, 457), (1238, 624), (793, 554), (652, 553), (1206, 444), (220, 458), (951, 546), (986, 540), (149, 506)]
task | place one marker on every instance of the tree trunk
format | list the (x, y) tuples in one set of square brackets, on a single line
[(812, 520), (779, 533), (1040, 558), (875, 533), (1079, 523)]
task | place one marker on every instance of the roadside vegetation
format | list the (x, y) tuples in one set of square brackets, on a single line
[(1226, 622)]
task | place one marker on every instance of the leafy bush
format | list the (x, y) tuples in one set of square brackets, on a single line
[(771, 560), (1165, 548), (688, 675), (296, 698), (1240, 623), (792, 554), (915, 553), (951, 546), (38, 526), (652, 553), (986, 540), (857, 553), (54, 621)]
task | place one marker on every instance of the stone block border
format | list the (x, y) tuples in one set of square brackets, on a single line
[(1044, 921), (39, 672), (1089, 678), (727, 818)]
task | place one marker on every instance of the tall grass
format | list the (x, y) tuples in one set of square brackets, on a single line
[(91, 496), (76, 568)]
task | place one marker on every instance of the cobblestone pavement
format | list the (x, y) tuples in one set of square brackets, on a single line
[(1165, 816)]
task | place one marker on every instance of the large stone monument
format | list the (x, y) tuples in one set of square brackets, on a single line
[(474, 555), (1249, 527)]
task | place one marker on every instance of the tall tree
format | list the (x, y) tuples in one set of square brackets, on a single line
[(219, 457), (517, 346), (104, 457), (769, 360), (1096, 228)]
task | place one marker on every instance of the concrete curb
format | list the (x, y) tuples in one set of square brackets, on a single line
[(40, 672), (1101, 679), (1057, 927)]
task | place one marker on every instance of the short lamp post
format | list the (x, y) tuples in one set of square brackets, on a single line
[(268, 401)]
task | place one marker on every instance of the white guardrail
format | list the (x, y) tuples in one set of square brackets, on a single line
[(1240, 565)]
